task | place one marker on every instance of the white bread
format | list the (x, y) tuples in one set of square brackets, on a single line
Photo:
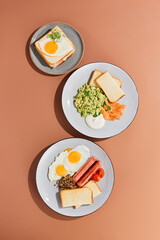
[(54, 61), (78, 196), (96, 74), (94, 188), (109, 87)]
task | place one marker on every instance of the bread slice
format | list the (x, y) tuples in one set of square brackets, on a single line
[(96, 74), (78, 196), (54, 61), (109, 87), (94, 188)]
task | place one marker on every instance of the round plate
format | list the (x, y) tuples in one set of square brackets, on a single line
[(111, 128), (50, 193), (71, 62)]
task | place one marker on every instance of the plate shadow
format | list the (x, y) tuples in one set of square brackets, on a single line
[(34, 192), (57, 104)]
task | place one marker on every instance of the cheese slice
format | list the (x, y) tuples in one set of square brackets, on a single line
[(109, 87)]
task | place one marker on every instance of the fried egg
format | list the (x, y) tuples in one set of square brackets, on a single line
[(57, 169), (76, 158), (68, 162), (56, 48)]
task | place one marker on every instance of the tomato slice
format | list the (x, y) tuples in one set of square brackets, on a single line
[(96, 177), (100, 172)]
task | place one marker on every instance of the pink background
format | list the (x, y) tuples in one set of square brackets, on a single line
[(125, 33)]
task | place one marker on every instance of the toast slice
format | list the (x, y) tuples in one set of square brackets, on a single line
[(109, 87), (96, 74), (94, 188), (78, 196), (54, 61)]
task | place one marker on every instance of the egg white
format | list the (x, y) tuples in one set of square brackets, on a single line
[(64, 47), (85, 154), (59, 160)]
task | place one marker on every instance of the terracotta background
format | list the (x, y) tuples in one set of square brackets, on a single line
[(125, 33)]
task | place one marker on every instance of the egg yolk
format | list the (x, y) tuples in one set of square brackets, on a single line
[(51, 47), (74, 157), (60, 170), (68, 149)]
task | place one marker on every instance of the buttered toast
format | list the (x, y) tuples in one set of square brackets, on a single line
[(55, 47), (78, 196), (112, 91), (96, 74), (94, 188)]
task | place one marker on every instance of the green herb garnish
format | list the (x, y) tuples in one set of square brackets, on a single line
[(96, 115), (55, 35), (109, 108), (86, 93)]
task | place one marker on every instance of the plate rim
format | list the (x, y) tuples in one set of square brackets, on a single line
[(57, 74), (36, 177), (90, 135)]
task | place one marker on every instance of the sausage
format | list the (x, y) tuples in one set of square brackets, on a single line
[(84, 179), (84, 168)]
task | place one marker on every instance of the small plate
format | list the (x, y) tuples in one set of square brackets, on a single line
[(111, 128), (50, 193), (71, 62)]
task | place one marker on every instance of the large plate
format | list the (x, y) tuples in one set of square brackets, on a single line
[(111, 128), (71, 62), (50, 193)]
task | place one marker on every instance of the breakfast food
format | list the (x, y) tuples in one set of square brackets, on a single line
[(109, 87), (96, 74), (89, 100), (85, 178), (72, 170), (95, 122), (68, 162), (55, 47), (66, 182), (97, 101), (115, 111), (84, 168), (79, 196), (94, 188)]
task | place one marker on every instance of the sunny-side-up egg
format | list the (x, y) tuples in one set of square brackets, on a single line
[(76, 158), (68, 162), (56, 48)]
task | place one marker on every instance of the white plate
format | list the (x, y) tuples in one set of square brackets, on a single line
[(111, 128), (50, 193)]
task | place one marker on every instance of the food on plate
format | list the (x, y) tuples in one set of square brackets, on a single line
[(55, 47), (100, 171), (112, 91), (89, 100), (79, 196), (66, 182), (94, 188), (97, 101), (68, 162), (84, 168), (72, 170), (114, 113), (96, 177), (96, 74), (95, 122), (85, 178)]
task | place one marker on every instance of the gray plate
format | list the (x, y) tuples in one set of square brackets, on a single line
[(71, 62), (50, 194), (111, 128)]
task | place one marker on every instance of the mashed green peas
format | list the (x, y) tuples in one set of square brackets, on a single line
[(89, 100)]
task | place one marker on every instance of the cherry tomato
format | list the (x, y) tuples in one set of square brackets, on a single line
[(100, 172), (96, 177)]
